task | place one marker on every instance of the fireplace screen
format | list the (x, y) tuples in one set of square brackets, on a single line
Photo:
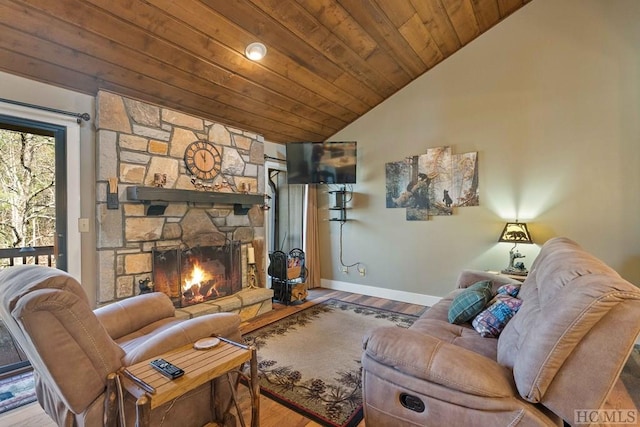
[(190, 276)]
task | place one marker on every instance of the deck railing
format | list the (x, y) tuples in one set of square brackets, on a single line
[(41, 255)]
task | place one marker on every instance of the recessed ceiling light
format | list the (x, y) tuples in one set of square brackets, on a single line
[(255, 51)]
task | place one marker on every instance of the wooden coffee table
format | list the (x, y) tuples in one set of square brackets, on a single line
[(200, 366)]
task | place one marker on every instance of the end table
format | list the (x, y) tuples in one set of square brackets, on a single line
[(152, 389)]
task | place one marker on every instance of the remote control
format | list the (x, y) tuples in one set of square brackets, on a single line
[(167, 369)]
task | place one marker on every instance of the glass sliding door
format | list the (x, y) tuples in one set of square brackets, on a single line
[(33, 221)]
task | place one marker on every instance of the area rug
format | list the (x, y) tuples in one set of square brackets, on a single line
[(16, 391), (310, 360)]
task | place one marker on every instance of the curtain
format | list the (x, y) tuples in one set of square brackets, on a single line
[(294, 237), (311, 241)]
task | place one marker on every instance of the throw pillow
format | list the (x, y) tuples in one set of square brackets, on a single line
[(491, 321), (468, 303), (511, 290)]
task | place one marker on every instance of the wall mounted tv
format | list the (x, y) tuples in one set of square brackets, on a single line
[(321, 162)]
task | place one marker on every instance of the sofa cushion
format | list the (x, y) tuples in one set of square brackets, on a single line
[(468, 303), (492, 320), (511, 290), (463, 336), (421, 356)]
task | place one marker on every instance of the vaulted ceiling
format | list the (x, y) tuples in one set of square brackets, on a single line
[(328, 61)]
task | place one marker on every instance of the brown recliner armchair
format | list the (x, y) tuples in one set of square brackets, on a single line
[(73, 349)]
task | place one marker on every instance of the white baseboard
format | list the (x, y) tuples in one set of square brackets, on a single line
[(372, 291)]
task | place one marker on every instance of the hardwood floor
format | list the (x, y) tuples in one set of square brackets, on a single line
[(30, 415), (272, 414)]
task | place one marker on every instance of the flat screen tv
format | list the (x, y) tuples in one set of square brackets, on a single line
[(321, 162)]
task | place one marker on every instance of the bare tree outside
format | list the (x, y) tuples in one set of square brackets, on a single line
[(27, 189), (27, 197)]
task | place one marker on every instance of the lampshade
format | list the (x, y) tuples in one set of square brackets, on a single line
[(515, 232), (255, 51)]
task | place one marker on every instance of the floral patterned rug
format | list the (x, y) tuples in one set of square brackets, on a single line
[(310, 361)]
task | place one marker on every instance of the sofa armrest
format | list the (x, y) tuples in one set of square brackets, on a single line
[(226, 325), (124, 317), (469, 277), (430, 359)]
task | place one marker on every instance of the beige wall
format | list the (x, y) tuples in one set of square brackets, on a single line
[(24, 90), (550, 99)]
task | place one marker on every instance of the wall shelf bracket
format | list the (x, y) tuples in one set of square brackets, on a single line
[(340, 204)]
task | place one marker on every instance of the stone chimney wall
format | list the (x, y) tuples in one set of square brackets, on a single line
[(136, 140)]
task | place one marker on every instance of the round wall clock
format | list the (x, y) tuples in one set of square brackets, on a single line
[(202, 160)]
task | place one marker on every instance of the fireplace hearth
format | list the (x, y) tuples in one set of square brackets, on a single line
[(194, 275)]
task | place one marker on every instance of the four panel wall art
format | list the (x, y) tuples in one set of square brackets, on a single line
[(433, 183)]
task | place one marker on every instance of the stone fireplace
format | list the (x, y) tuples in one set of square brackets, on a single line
[(136, 144)]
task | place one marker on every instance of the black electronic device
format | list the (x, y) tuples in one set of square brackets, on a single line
[(321, 162), (167, 369)]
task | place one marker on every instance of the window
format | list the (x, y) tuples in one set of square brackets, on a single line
[(66, 131)]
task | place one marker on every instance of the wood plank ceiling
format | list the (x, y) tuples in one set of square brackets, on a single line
[(328, 61)]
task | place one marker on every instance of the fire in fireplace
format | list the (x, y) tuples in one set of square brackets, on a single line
[(190, 276)]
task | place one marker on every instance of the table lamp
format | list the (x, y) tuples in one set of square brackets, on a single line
[(515, 232)]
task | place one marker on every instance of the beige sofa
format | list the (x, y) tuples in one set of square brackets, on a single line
[(73, 348), (562, 351)]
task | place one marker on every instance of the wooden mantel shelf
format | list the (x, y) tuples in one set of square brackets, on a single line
[(157, 198)]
